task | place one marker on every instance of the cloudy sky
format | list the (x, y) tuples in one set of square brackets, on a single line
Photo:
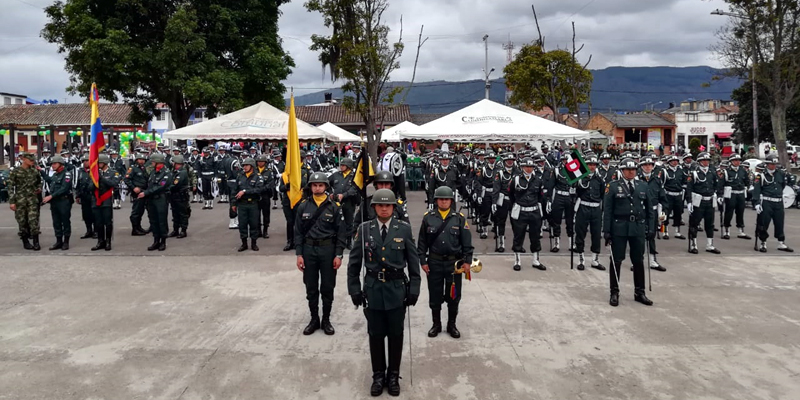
[(615, 33)]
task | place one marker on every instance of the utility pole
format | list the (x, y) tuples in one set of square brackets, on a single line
[(486, 69), (509, 48)]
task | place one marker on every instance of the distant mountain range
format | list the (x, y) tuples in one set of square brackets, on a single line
[(614, 89)]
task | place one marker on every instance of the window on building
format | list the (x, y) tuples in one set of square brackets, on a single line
[(161, 115), (198, 115), (722, 117), (18, 101), (6, 100), (691, 117)]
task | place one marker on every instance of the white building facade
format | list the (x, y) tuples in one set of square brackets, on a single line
[(708, 120), (162, 119)]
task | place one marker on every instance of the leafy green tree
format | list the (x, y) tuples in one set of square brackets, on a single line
[(359, 53), (551, 79), (186, 53), (694, 146), (743, 121)]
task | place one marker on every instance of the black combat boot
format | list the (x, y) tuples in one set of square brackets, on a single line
[(395, 356), (36, 246), (640, 297), (25, 243), (243, 247), (154, 246), (326, 320), (377, 353), (437, 323), (182, 234), (452, 313), (253, 245), (162, 244), (393, 383), (109, 232), (289, 245), (89, 232), (313, 325), (174, 232), (266, 232), (101, 238), (138, 231), (614, 300), (58, 245), (65, 246)]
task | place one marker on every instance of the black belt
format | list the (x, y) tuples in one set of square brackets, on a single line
[(387, 275), (320, 242), (437, 257), (631, 218)]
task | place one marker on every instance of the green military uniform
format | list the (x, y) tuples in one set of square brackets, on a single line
[(268, 174), (108, 179), (701, 190), (716, 159), (443, 241), (179, 197), (589, 216), (61, 203), (288, 211), (85, 195), (319, 235), (157, 192), (768, 195), (341, 183), (137, 177), (384, 250), (25, 185), (252, 184), (628, 219)]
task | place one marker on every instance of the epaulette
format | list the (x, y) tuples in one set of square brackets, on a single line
[(338, 204), (400, 202), (426, 213), (401, 222), (461, 214)]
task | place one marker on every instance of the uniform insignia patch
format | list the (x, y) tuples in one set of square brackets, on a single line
[(398, 240), (466, 225), (176, 181)]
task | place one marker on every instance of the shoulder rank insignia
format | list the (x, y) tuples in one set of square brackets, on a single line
[(399, 201)]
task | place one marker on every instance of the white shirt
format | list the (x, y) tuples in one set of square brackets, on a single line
[(387, 224)]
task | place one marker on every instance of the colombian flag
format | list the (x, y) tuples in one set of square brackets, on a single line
[(96, 146), (292, 173)]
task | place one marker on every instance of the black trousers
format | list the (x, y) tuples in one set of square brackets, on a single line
[(704, 212), (735, 204), (137, 210), (400, 187), (103, 221), (529, 222), (319, 277), (288, 213), (562, 207), (157, 209), (207, 192), (348, 211), (61, 211), (485, 210), (181, 211), (264, 211), (116, 195), (772, 212), (382, 323), (675, 207), (440, 281), (86, 212), (249, 223), (500, 217), (588, 219), (618, 250)]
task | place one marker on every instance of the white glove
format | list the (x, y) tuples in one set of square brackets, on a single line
[(662, 217), (690, 207), (480, 200), (720, 201), (549, 207), (494, 208), (759, 209), (430, 207)]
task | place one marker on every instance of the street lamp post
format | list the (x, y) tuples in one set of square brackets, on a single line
[(486, 69), (753, 71)]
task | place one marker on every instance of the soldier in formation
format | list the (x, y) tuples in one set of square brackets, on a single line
[(382, 180), (25, 184), (136, 181), (102, 204), (589, 214), (156, 197), (179, 193), (734, 180), (60, 199), (267, 173), (501, 199), (248, 189), (701, 195), (526, 190), (768, 196)]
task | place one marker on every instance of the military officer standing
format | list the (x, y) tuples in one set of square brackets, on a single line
[(674, 184), (768, 196), (701, 194), (526, 190), (179, 194), (560, 205), (735, 181), (501, 199), (606, 171), (443, 176), (248, 190), (60, 199), (345, 192), (654, 181), (267, 173), (208, 169), (385, 248), (277, 167), (628, 219), (25, 183), (85, 196), (103, 211), (288, 211), (117, 165), (319, 236), (158, 189), (383, 180), (444, 238), (136, 181), (482, 190), (589, 216)]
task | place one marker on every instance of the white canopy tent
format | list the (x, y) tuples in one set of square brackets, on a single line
[(393, 134), (487, 121), (342, 136), (258, 122)]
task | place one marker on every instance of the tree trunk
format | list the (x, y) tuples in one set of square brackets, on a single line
[(778, 116), (372, 140)]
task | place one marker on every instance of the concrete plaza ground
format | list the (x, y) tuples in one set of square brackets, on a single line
[(200, 321)]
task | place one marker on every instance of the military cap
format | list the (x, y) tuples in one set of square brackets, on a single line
[(140, 156), (446, 156), (443, 192), (302, 154), (85, 157), (276, 153), (592, 160), (347, 162), (628, 164), (57, 159), (735, 157), (249, 161), (113, 152), (262, 158), (647, 160), (527, 162), (687, 155), (508, 156), (157, 158), (237, 148), (384, 196), (45, 150), (480, 152), (318, 177), (384, 176), (772, 159), (605, 156)]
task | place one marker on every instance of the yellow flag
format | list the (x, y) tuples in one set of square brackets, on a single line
[(358, 179), (292, 174)]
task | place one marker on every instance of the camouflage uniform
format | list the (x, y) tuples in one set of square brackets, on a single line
[(26, 185)]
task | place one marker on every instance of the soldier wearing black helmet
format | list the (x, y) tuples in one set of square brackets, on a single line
[(735, 180), (606, 171), (103, 212), (526, 190), (136, 181), (501, 199), (560, 204), (768, 195), (268, 174), (227, 171), (319, 237), (277, 166), (207, 168), (156, 195), (247, 191), (383, 180), (444, 175), (345, 192), (674, 186), (385, 248), (179, 193), (589, 215), (628, 219), (701, 195), (444, 239), (655, 187), (482, 189), (118, 165)]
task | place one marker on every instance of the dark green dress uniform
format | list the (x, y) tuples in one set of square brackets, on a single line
[(247, 206), (560, 194), (738, 180), (607, 172), (319, 236), (156, 194), (674, 185), (442, 242), (61, 205), (268, 174), (483, 188), (526, 215), (386, 289), (341, 184), (628, 218), (137, 176), (288, 211), (441, 176), (768, 195), (589, 217), (85, 195), (701, 186), (103, 212), (655, 187), (400, 212), (179, 194), (501, 198)]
